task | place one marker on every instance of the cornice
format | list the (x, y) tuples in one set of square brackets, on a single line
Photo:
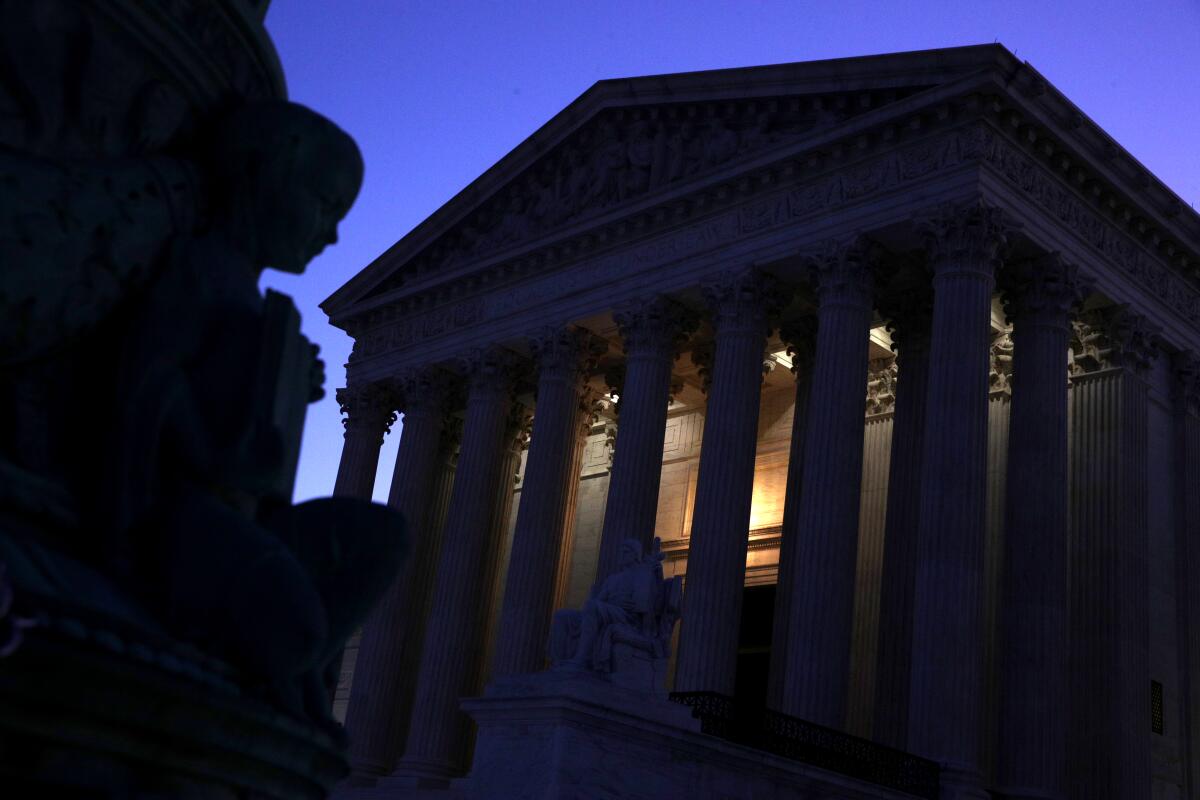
[(1037, 112)]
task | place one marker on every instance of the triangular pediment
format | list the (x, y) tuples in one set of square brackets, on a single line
[(625, 140)]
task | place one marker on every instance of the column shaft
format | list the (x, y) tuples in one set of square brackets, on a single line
[(381, 694), (893, 674), (515, 440), (822, 594), (800, 335), (947, 688), (1108, 734), (1187, 421), (546, 510), (1031, 745), (716, 571), (651, 330), (907, 305), (437, 732)]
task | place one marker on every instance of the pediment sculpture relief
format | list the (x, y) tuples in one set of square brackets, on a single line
[(627, 153)]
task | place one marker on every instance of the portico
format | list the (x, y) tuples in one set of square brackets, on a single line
[(893, 334)]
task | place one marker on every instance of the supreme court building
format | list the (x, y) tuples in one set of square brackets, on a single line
[(898, 355)]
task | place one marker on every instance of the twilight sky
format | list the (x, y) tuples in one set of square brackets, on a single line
[(436, 91)]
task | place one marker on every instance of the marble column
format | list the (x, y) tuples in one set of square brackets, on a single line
[(564, 361), (589, 409), (495, 560), (908, 309), (1109, 727), (799, 333), (946, 695), (370, 412), (999, 404), (716, 570), (821, 590), (381, 694), (1186, 369), (438, 730), (653, 331), (1040, 296)]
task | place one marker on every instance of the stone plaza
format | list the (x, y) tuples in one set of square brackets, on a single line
[(898, 356)]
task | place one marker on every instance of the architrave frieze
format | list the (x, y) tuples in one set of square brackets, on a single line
[(1105, 236)]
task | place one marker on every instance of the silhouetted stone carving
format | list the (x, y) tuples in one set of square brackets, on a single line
[(149, 551), (624, 630)]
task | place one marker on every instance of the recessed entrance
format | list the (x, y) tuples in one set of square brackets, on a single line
[(754, 644)]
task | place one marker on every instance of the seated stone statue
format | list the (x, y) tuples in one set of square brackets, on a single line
[(624, 630)]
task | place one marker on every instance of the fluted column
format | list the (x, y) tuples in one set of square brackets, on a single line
[(453, 635), (908, 308), (1186, 369), (800, 334), (516, 442), (370, 412), (653, 331), (947, 688), (564, 360), (381, 695), (821, 610), (716, 570), (1108, 732), (1039, 298)]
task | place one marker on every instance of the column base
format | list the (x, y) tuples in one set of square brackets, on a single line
[(1023, 793), (419, 774), (365, 773)]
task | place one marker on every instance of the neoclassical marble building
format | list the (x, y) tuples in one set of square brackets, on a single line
[(899, 356)]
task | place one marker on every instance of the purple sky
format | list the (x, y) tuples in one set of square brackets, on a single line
[(436, 92)]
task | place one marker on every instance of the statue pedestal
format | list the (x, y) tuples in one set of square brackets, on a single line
[(564, 735)]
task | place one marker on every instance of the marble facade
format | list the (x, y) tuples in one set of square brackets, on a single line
[(907, 337)]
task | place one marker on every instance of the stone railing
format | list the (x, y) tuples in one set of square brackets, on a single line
[(763, 729)]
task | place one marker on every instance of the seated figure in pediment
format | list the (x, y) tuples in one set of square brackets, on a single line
[(623, 632)]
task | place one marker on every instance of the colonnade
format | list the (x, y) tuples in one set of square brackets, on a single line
[(1070, 589)]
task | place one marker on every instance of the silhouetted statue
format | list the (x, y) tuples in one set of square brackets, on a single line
[(152, 402)]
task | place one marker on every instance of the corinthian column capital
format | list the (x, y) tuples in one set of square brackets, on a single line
[(654, 326), (743, 300), (517, 428), (1046, 288), (965, 237), (565, 352), (1112, 337), (492, 369), (424, 389), (844, 271), (799, 333), (1185, 367), (906, 303), (881, 386), (368, 408)]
